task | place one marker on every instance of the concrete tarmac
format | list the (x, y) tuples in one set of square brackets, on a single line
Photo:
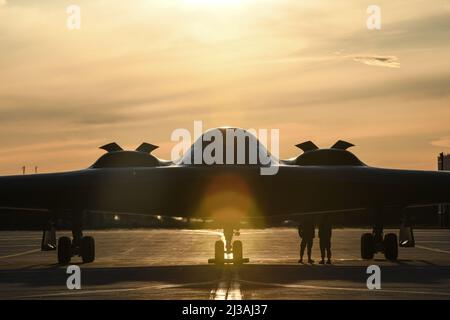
[(172, 264)]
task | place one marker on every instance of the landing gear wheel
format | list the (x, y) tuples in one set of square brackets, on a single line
[(390, 246), (237, 252), (87, 249), (64, 250), (367, 246), (219, 252)]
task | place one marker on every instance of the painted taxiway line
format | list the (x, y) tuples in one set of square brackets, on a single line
[(301, 286), (234, 291), (20, 239), (433, 249), (20, 254), (83, 292), (115, 290), (229, 287)]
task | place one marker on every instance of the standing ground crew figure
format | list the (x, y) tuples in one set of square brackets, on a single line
[(325, 238), (306, 231)]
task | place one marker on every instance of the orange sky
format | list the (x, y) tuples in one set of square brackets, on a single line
[(138, 70)]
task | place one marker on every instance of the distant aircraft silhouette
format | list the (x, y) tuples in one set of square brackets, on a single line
[(317, 182)]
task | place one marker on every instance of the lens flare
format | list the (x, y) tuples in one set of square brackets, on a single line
[(228, 200), (211, 2)]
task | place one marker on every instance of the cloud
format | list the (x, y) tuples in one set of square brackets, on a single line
[(419, 32), (441, 142), (277, 63), (379, 61), (51, 146), (430, 87)]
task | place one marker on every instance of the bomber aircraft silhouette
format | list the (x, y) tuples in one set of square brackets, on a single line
[(317, 182)]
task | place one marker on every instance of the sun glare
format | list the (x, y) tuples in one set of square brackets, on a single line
[(227, 200), (211, 2)]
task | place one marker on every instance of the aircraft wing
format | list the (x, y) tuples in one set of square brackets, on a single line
[(191, 191)]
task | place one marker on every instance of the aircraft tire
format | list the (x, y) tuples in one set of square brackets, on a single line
[(64, 250), (87, 249), (237, 252), (367, 246), (219, 252), (390, 246)]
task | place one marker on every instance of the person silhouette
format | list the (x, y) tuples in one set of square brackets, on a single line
[(306, 231), (325, 230)]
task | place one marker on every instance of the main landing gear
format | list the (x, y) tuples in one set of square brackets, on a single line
[(68, 248), (228, 252), (83, 246), (374, 242)]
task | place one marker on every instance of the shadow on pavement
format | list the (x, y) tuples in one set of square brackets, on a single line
[(190, 274)]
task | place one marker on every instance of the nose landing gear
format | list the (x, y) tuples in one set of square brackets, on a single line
[(228, 252)]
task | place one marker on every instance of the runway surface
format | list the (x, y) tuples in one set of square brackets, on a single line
[(172, 264)]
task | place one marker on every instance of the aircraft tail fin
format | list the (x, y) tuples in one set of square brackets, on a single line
[(307, 146), (111, 147), (342, 145), (146, 147)]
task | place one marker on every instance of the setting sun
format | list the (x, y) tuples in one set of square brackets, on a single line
[(258, 150), (211, 2), (305, 67)]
